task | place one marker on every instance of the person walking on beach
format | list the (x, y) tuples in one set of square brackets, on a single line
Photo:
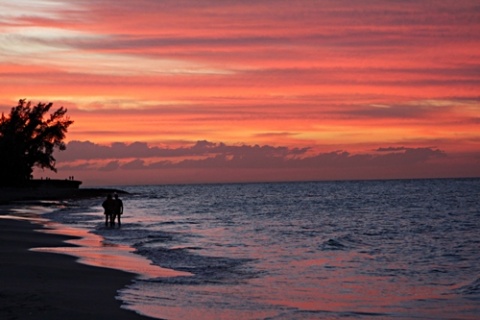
[(109, 207), (117, 209)]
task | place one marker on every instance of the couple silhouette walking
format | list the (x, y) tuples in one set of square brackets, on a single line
[(113, 209)]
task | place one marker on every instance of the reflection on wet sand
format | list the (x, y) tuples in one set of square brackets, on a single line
[(91, 249)]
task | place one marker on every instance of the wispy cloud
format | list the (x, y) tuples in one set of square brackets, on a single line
[(313, 75)]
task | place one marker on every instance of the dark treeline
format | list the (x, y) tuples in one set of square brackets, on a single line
[(28, 138)]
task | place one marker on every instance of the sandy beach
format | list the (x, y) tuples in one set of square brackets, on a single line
[(39, 285)]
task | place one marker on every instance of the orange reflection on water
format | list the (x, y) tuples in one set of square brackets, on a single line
[(333, 283), (92, 249)]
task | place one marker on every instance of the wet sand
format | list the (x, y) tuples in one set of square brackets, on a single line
[(42, 285)]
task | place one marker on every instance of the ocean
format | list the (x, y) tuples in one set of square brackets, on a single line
[(396, 249)]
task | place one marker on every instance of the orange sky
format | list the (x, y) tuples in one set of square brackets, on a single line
[(277, 90)]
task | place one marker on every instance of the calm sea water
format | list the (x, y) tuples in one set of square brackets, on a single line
[(405, 249)]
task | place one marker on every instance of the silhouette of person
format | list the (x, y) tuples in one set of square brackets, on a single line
[(109, 207), (118, 209)]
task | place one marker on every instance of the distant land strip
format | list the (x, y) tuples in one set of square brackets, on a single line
[(53, 190)]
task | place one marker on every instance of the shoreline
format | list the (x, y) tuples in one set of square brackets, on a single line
[(44, 285), (10, 195)]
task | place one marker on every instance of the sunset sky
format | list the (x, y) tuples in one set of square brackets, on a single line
[(187, 91)]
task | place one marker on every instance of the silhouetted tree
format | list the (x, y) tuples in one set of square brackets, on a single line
[(28, 138)]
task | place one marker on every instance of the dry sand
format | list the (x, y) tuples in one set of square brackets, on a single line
[(38, 285)]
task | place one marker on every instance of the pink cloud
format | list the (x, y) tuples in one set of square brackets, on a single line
[(298, 79), (223, 163)]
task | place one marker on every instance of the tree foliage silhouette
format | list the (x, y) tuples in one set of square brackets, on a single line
[(28, 137)]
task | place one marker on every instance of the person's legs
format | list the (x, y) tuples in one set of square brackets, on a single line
[(106, 220), (119, 223)]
